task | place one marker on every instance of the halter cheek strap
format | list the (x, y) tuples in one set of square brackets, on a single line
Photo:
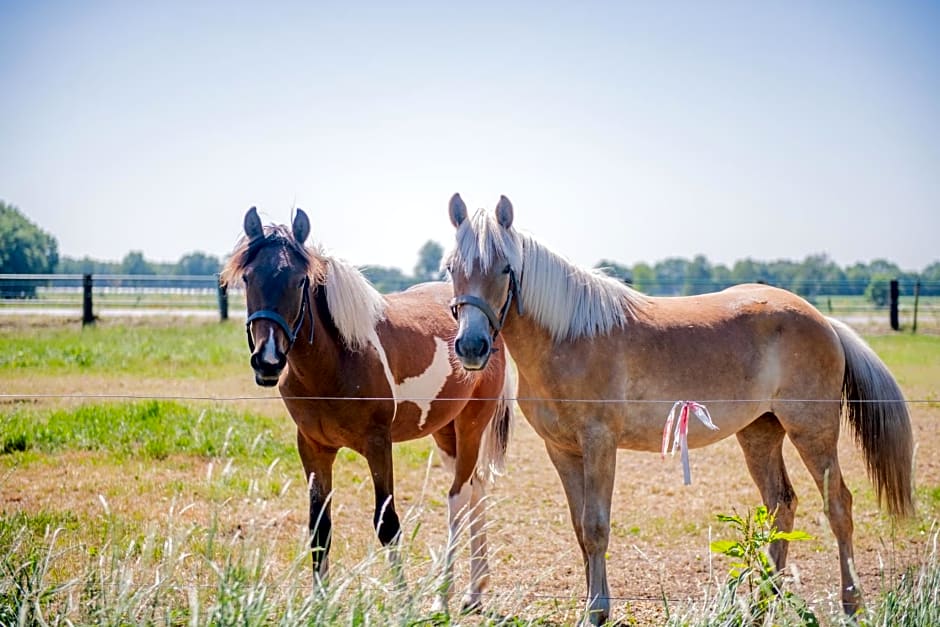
[(278, 319), (496, 322)]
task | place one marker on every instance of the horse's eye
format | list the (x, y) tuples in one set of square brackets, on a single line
[(507, 269)]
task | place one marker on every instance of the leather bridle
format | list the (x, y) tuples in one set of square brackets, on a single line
[(273, 316), (496, 322)]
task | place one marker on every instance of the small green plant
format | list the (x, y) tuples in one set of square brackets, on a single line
[(753, 570)]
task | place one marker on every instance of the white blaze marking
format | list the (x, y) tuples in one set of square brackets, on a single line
[(269, 355), (424, 388)]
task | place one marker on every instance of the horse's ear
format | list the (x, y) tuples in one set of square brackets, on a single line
[(301, 226), (457, 210), (504, 212), (253, 228)]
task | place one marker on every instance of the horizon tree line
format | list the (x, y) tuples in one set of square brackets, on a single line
[(27, 249)]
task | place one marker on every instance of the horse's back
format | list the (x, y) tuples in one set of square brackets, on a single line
[(752, 313)]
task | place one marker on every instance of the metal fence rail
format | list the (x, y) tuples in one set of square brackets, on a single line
[(97, 295), (114, 295)]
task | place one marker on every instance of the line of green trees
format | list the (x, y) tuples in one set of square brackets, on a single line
[(814, 276), (27, 249), (191, 264)]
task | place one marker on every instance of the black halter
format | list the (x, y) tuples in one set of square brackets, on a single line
[(273, 316), (496, 323)]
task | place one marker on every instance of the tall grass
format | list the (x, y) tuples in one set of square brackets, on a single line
[(174, 572), (178, 572)]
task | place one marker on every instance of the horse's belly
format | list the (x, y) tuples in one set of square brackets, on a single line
[(648, 430)]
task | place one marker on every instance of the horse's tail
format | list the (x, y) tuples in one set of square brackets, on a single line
[(872, 402), (492, 460)]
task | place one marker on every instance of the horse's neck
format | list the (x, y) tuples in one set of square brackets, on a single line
[(310, 359), (528, 342)]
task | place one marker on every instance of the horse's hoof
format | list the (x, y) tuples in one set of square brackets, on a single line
[(593, 619), (471, 605)]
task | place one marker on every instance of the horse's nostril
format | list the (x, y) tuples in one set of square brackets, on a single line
[(473, 348), (263, 363)]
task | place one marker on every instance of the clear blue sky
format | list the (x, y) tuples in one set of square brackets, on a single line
[(632, 132)]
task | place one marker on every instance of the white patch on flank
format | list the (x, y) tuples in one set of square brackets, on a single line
[(269, 355), (420, 389), (373, 338), (424, 388)]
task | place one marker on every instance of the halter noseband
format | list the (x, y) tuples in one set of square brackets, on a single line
[(496, 323), (273, 316)]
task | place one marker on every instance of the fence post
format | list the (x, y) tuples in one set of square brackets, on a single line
[(88, 316), (894, 305), (916, 301), (223, 299)]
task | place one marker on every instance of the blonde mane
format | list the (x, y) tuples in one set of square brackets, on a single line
[(354, 304), (568, 301)]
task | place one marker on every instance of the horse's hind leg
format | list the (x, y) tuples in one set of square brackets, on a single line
[(762, 443), (461, 443), (817, 443), (479, 567)]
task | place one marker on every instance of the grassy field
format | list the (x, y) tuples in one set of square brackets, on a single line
[(146, 480)]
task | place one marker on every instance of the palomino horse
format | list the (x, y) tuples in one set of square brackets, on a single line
[(362, 370), (765, 361)]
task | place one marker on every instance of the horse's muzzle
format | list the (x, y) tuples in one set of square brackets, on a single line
[(474, 353), (267, 373)]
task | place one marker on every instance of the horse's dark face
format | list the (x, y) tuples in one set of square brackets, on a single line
[(482, 296), (276, 293)]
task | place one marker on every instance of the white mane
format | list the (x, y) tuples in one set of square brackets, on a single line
[(568, 301), (354, 304), (481, 239)]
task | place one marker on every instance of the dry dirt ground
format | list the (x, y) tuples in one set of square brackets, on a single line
[(661, 529)]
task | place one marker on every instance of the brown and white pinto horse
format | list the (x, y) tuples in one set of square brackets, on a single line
[(360, 370), (767, 364)]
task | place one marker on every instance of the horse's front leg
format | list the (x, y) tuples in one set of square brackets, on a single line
[(600, 462), (318, 468), (378, 453), (570, 468)]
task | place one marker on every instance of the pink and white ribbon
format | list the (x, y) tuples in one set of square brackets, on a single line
[(680, 437)]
